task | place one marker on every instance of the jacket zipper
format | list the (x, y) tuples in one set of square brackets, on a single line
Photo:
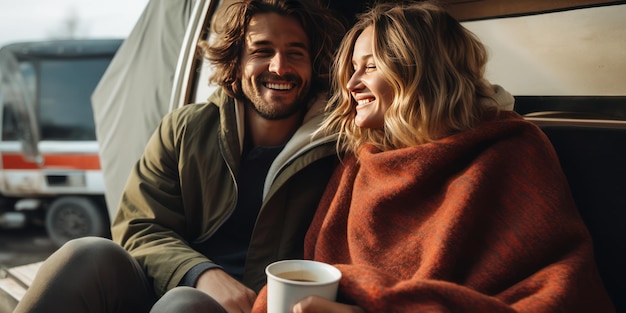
[(232, 208)]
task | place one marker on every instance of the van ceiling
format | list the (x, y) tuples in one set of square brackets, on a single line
[(466, 10)]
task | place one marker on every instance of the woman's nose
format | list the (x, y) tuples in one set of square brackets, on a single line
[(354, 83)]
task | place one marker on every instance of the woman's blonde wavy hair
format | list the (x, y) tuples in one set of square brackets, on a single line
[(434, 65)]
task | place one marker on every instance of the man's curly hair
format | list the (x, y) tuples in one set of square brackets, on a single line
[(224, 51)]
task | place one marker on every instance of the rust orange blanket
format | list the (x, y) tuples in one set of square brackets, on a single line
[(481, 221)]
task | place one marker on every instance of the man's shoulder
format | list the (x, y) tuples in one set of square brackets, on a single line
[(202, 110), (192, 114), (193, 109), (196, 113)]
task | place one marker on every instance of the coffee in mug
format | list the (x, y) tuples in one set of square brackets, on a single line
[(290, 281)]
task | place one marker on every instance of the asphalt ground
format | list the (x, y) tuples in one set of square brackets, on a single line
[(24, 246)]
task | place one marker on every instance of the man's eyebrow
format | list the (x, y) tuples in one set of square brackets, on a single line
[(299, 45), (296, 44)]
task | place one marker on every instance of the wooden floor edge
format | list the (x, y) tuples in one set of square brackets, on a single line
[(10, 294), (13, 284)]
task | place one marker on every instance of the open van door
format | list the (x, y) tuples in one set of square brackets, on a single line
[(135, 91)]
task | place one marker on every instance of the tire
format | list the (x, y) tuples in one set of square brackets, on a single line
[(74, 217)]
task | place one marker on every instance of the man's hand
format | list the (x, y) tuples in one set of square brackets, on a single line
[(227, 291), (316, 304)]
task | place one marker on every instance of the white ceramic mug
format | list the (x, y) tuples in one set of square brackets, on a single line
[(290, 281)]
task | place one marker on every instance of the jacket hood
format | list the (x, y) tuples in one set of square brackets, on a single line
[(500, 98), (300, 142)]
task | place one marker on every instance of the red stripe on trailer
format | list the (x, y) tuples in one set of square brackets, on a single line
[(66, 161)]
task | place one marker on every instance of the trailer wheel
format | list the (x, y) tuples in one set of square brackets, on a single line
[(74, 217)]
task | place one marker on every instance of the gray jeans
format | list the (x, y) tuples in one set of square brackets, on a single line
[(97, 275)]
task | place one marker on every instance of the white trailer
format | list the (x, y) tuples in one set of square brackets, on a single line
[(49, 163)]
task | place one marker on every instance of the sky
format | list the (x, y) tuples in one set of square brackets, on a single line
[(26, 20)]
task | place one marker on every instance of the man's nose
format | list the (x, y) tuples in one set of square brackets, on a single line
[(279, 64)]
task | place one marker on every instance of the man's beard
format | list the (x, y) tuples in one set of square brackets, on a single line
[(268, 110)]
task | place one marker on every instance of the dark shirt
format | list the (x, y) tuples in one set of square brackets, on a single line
[(228, 247)]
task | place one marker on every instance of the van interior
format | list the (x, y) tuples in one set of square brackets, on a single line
[(565, 63)]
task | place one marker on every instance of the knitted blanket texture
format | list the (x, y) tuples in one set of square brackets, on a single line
[(480, 221)]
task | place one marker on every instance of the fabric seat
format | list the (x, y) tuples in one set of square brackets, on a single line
[(594, 161)]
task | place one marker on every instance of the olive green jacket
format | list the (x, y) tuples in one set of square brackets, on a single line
[(184, 187)]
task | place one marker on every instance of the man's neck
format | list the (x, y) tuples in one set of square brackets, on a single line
[(269, 133)]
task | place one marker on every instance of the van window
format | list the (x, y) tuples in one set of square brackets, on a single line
[(567, 64), (65, 88)]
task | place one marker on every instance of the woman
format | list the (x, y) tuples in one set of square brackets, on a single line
[(444, 202)]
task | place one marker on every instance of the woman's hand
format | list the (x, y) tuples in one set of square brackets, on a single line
[(314, 304)]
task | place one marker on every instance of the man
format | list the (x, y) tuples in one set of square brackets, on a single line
[(223, 188)]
